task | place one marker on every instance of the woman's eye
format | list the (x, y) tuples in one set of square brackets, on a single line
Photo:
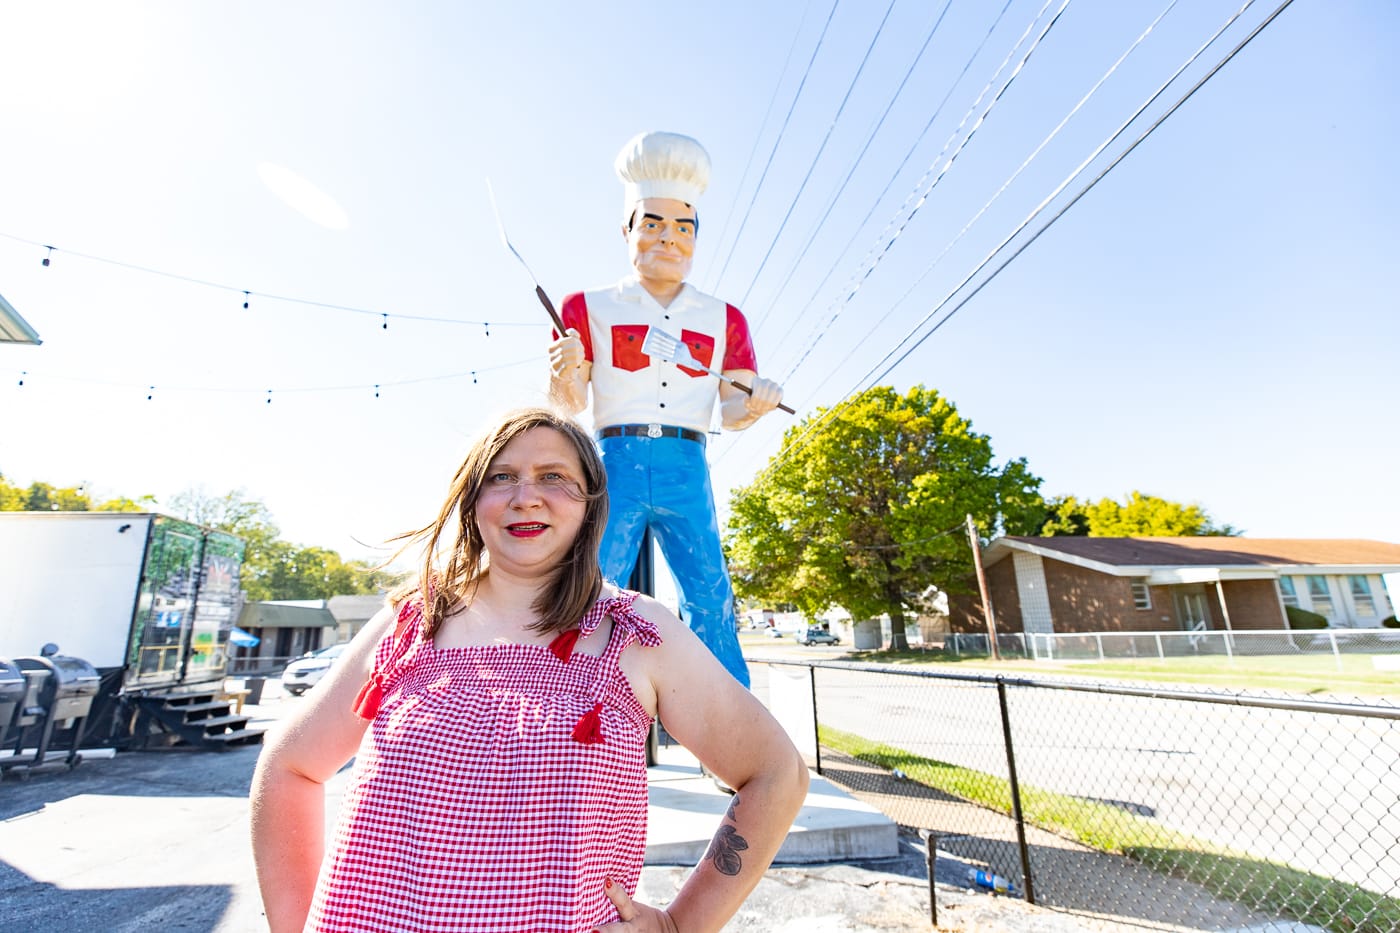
[(501, 479), (554, 479)]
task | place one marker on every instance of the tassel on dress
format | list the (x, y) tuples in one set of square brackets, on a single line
[(367, 701), (589, 730), (563, 645)]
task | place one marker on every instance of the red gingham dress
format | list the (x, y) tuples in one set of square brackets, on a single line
[(496, 787)]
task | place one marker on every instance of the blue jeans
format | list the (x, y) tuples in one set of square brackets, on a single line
[(664, 483)]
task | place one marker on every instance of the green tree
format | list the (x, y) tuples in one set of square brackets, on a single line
[(41, 497), (123, 504), (274, 568), (864, 507), (12, 497), (1066, 516), (1142, 515)]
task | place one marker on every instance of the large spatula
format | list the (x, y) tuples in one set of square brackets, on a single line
[(662, 346)]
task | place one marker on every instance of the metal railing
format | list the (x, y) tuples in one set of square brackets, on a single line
[(1139, 804), (1121, 646)]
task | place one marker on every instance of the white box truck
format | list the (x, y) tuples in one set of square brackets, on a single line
[(148, 600)]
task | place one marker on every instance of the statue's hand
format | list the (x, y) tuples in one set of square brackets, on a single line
[(566, 353), (765, 396)]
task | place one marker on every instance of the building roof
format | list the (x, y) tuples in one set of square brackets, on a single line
[(1237, 557), (13, 328), (284, 615), (356, 608)]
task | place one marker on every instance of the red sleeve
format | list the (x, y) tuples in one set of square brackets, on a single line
[(575, 315), (738, 345)]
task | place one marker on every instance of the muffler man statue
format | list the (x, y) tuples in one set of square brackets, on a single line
[(652, 417)]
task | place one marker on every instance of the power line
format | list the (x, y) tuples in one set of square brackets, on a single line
[(860, 69), (1064, 184), (781, 131), (802, 440), (821, 328), (1028, 160), (773, 99), (860, 156)]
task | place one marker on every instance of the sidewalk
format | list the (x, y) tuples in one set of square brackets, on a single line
[(159, 840)]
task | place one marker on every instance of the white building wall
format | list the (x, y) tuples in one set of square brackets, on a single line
[(1034, 596)]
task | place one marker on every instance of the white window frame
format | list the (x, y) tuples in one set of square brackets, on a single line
[(1363, 601), (1142, 594), (1325, 597), (1288, 592)]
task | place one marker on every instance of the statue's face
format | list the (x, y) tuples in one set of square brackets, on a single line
[(661, 242)]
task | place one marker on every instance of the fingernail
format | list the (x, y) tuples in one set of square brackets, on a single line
[(607, 883)]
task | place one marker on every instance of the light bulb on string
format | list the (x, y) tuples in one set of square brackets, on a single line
[(473, 377), (46, 258), (150, 390), (376, 390), (385, 325), (269, 396), (22, 374), (488, 328), (245, 299)]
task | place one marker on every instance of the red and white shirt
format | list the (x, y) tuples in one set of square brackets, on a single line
[(630, 387)]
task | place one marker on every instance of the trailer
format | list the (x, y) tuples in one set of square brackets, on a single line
[(148, 600)]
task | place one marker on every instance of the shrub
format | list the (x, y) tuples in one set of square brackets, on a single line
[(1389, 622), (1302, 618)]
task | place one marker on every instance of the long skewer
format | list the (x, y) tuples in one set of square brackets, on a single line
[(539, 292)]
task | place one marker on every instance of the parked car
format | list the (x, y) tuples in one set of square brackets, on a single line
[(773, 632), (817, 636), (306, 671)]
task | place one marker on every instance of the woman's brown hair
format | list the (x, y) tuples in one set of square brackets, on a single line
[(574, 584)]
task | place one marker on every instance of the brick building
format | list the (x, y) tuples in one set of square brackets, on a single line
[(1078, 584)]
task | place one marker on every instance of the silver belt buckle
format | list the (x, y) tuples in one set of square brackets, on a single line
[(653, 430)]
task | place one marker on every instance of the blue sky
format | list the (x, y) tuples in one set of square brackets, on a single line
[(1215, 322)]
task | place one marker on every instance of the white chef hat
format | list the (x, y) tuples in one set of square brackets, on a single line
[(662, 165)]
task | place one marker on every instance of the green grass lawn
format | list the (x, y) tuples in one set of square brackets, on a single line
[(1237, 876), (1347, 675)]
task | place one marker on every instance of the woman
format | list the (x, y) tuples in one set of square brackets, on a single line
[(497, 712)]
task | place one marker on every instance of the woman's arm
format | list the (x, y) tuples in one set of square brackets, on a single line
[(288, 796), (736, 738)]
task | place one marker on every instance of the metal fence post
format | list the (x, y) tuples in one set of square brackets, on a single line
[(1015, 793), (816, 729), (931, 857)]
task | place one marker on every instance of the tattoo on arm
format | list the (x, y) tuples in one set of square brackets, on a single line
[(727, 844)]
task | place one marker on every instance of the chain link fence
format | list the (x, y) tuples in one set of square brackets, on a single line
[(1142, 805), (1375, 643)]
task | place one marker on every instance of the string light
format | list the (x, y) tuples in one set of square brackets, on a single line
[(376, 390), (248, 293), (385, 325), (150, 390), (22, 374), (269, 396)]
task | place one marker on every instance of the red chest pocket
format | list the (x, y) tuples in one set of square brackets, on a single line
[(702, 350), (627, 352)]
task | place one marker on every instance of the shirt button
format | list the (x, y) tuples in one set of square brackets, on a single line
[(663, 385), (663, 404)]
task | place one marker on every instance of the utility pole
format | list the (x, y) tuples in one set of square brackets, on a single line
[(982, 586)]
